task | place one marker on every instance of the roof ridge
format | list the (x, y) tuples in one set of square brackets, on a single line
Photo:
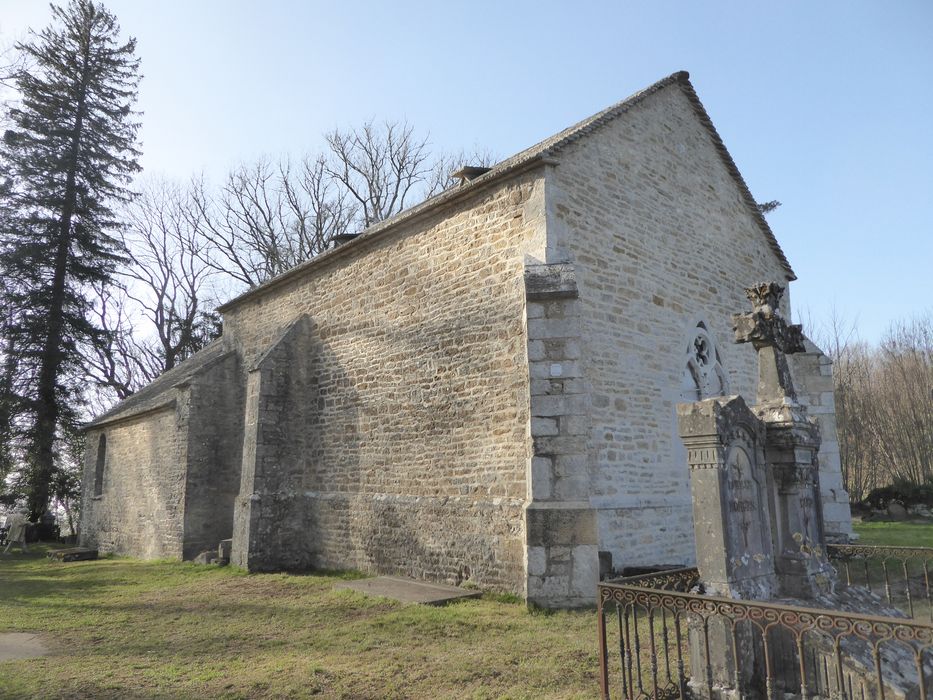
[(520, 161)]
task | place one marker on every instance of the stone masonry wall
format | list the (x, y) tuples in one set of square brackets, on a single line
[(213, 479), (414, 448), (140, 512), (660, 238), (813, 380), (563, 556)]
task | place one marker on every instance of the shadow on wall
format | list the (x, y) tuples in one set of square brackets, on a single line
[(381, 447)]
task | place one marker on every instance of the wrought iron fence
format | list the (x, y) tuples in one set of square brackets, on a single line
[(660, 637), (901, 575)]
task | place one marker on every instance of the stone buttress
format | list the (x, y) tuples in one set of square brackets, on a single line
[(562, 548)]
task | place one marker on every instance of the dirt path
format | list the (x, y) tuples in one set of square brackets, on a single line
[(21, 645)]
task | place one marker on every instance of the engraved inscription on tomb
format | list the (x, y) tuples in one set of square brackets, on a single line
[(742, 495)]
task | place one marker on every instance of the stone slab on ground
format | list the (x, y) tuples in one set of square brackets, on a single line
[(408, 590), (21, 645), (73, 554)]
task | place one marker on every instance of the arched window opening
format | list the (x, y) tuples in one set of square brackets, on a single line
[(99, 467)]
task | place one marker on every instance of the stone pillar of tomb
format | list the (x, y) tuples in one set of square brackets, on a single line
[(729, 486), (792, 441), (732, 526)]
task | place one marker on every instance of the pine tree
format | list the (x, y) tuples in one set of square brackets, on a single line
[(71, 153)]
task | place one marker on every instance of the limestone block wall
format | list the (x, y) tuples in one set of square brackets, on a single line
[(213, 475), (660, 239), (413, 450), (813, 380), (140, 512)]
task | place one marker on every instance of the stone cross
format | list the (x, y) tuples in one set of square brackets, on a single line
[(792, 441), (773, 338), (755, 487)]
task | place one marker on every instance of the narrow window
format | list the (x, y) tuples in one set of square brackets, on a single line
[(99, 467)]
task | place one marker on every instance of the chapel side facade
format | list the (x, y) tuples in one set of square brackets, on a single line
[(161, 470), (374, 414), (386, 411)]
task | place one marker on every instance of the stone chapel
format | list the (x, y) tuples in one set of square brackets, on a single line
[(482, 388)]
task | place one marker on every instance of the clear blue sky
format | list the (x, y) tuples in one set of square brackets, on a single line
[(826, 106)]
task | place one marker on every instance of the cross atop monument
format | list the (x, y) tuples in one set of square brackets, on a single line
[(773, 338)]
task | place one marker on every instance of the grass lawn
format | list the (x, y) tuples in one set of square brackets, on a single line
[(901, 534), (121, 628)]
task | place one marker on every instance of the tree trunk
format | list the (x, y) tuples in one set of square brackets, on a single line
[(48, 411)]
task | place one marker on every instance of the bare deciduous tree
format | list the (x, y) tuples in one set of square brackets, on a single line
[(441, 178), (903, 389), (244, 225), (320, 208), (380, 166), (884, 404), (167, 266), (160, 315), (119, 363), (269, 217), (266, 218)]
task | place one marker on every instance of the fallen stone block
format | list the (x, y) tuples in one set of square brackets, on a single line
[(73, 554), (206, 557), (223, 550)]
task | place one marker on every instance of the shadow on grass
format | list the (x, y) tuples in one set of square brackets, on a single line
[(131, 629)]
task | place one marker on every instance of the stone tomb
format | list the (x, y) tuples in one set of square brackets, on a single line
[(729, 484), (753, 474), (758, 515)]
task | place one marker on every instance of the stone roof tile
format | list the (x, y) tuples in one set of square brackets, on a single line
[(159, 392)]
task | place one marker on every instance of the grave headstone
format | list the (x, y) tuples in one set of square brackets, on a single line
[(729, 483)]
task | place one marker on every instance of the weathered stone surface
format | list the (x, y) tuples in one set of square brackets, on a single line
[(897, 511), (555, 281), (73, 554), (813, 379), (561, 525), (408, 590), (731, 493), (206, 557)]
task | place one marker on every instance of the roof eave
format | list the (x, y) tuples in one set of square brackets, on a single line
[(379, 230)]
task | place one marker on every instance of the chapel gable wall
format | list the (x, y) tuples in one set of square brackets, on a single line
[(661, 240)]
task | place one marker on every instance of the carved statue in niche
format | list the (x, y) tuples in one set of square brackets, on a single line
[(703, 375)]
